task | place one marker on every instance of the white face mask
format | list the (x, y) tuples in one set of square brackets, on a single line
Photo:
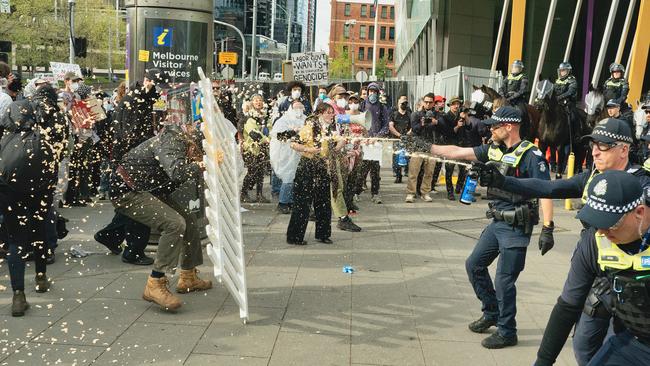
[(354, 106), (342, 103), (295, 94), (74, 86)]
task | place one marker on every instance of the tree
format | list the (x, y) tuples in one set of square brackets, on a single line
[(382, 68), (39, 37), (340, 67)]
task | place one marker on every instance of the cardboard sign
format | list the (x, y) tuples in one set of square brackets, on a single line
[(86, 112), (47, 76), (310, 67), (60, 68)]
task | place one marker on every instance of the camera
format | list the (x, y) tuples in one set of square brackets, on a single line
[(429, 116)]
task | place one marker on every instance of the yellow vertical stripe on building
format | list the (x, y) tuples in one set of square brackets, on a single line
[(639, 53), (517, 21)]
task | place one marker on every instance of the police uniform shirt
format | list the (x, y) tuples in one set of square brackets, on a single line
[(531, 165)]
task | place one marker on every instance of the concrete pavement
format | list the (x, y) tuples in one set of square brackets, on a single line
[(407, 303)]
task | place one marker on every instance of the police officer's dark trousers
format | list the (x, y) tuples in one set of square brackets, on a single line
[(622, 350), (311, 186), (499, 299), (590, 333)]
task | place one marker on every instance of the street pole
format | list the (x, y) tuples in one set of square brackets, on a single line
[(243, 45), (574, 25), (626, 28), (110, 53), (542, 51), (374, 44), (273, 6), (603, 44), (502, 25), (288, 33), (71, 4), (253, 41)]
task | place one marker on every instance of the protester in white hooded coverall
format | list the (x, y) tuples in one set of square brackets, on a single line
[(284, 160)]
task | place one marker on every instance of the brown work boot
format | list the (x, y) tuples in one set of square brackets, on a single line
[(42, 283), (189, 281), (157, 291), (19, 304)]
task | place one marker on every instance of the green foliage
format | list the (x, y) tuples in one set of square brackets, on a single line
[(340, 67), (382, 68), (39, 37)]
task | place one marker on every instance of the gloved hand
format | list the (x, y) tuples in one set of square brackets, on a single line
[(255, 136), (546, 240), (489, 175)]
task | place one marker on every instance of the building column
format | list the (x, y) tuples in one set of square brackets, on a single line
[(639, 53), (517, 21)]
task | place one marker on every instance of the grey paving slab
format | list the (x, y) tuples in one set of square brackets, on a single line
[(307, 349), (320, 312), (36, 354), (197, 359), (151, 343), (15, 332)]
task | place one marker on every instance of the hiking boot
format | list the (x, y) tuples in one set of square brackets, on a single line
[(262, 199), (156, 291), (346, 224), (19, 303), (189, 281), (245, 198), (481, 325), (376, 198), (42, 283), (496, 340), (427, 198), (409, 198)]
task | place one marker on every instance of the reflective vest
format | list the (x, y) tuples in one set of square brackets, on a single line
[(508, 163), (517, 77), (610, 256)]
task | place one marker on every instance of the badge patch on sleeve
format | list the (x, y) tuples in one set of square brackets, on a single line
[(542, 166)]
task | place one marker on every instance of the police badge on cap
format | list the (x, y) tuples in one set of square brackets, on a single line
[(610, 195)]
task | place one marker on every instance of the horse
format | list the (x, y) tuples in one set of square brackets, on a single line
[(595, 106), (555, 131), (529, 122)]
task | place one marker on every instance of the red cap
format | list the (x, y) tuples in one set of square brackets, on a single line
[(439, 98)]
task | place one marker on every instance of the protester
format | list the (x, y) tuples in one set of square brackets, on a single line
[(255, 145), (424, 124), (294, 91), (400, 124), (379, 128)]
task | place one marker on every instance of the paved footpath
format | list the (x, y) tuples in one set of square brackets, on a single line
[(407, 303)]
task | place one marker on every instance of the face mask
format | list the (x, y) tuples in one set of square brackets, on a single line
[(74, 86), (295, 94), (354, 106), (373, 98), (322, 96), (404, 105), (342, 103), (108, 107)]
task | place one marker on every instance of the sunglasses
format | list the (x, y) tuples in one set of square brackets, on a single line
[(427, 101), (619, 222), (602, 146), (647, 111)]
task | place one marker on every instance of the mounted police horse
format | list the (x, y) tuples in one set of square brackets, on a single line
[(595, 106), (556, 131), (529, 123)]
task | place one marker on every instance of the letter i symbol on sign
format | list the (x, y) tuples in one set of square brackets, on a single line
[(161, 37)]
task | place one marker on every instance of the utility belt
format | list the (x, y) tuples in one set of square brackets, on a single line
[(594, 306), (524, 216)]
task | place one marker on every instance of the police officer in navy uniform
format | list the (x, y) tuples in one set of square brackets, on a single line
[(615, 247), (617, 87), (508, 235), (610, 144), (566, 89), (515, 90)]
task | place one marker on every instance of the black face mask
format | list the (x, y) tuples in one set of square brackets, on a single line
[(404, 105)]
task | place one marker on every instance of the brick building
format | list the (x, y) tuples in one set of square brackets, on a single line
[(352, 26)]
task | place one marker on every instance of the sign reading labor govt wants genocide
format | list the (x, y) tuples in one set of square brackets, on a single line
[(176, 47), (311, 67)]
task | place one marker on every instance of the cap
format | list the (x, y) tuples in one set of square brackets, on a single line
[(504, 114), (71, 75), (354, 96), (454, 100), (613, 103), (611, 130), (374, 86), (439, 98), (610, 195), (337, 90)]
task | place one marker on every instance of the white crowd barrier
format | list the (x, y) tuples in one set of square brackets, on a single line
[(222, 171)]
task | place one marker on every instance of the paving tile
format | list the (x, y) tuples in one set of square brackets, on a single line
[(324, 312), (444, 353), (227, 335), (204, 360), (34, 354), (304, 349), (15, 332), (151, 343), (322, 279)]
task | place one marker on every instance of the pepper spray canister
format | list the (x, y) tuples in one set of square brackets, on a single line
[(470, 188)]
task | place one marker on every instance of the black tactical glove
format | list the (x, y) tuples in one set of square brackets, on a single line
[(490, 176), (287, 135), (255, 136), (546, 240)]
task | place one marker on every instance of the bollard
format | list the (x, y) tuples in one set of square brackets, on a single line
[(571, 162)]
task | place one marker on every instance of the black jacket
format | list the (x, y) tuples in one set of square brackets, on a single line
[(160, 164), (427, 131), (515, 88)]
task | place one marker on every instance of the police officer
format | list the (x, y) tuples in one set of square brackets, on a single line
[(508, 235), (617, 87), (614, 247), (610, 143), (566, 88), (515, 90)]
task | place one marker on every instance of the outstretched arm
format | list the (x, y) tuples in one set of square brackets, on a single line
[(454, 152)]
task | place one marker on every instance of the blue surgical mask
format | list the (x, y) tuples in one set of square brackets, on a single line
[(373, 98), (322, 96)]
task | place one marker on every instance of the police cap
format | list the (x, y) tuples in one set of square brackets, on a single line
[(611, 130), (504, 114)]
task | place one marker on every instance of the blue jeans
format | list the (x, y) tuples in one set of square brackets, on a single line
[(276, 183), (622, 350), (498, 302), (286, 194), (590, 334)]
